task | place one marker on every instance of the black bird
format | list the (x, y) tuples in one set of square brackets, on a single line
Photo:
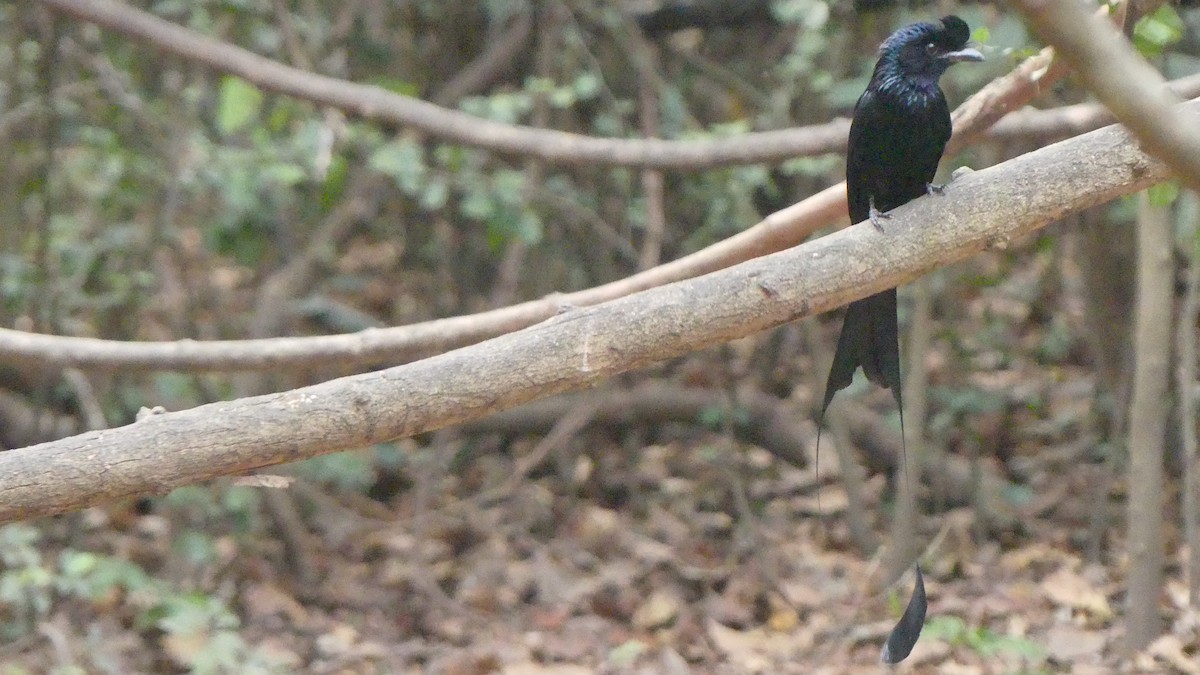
[(900, 128)]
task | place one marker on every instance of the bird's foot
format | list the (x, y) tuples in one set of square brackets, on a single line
[(876, 216), (935, 188)]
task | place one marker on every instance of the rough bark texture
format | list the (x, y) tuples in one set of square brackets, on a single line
[(580, 346)]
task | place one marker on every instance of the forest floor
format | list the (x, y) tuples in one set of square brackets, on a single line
[(695, 555), (665, 546)]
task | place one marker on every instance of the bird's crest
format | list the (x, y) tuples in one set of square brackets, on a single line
[(950, 34), (913, 58)]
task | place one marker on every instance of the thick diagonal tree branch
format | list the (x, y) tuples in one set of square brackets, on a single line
[(581, 346), (404, 343)]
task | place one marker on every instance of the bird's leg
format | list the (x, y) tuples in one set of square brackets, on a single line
[(940, 189), (876, 216)]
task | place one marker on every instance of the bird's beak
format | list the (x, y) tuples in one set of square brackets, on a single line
[(967, 54)]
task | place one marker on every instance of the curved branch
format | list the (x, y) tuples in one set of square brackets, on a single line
[(407, 343), (780, 230), (404, 343), (496, 58), (1129, 86), (769, 422), (374, 103), (1009, 93), (980, 210)]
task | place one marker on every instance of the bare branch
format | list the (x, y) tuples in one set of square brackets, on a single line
[(1129, 86), (1009, 93), (491, 64), (404, 343), (1148, 421), (374, 103), (1185, 388), (1028, 80), (581, 346)]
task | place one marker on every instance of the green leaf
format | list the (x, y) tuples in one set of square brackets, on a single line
[(335, 182), (78, 563), (397, 86), (981, 35), (404, 161), (196, 547), (562, 98), (284, 173), (509, 223), (587, 86), (477, 203), (1163, 194), (509, 186), (1158, 30), (436, 194), (238, 104), (625, 654), (529, 227)]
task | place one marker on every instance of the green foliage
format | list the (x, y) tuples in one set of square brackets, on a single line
[(811, 43), (1158, 30), (235, 506), (627, 653), (238, 104), (1163, 194), (26, 584), (403, 160), (726, 195), (197, 619), (513, 106), (31, 586), (983, 641), (1056, 342), (955, 403), (716, 417), (347, 471)]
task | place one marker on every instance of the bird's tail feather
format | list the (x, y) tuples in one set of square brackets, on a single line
[(870, 338)]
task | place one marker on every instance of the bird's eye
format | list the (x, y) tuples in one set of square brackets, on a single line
[(931, 48)]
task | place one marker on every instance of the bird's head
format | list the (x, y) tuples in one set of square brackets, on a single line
[(918, 54)]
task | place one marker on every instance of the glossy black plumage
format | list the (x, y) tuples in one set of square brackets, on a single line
[(900, 128)]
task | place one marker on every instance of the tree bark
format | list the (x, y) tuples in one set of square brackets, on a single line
[(1148, 421), (580, 346)]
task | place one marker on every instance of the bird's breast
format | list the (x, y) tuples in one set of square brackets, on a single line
[(895, 145)]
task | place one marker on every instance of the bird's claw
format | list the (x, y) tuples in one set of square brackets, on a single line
[(935, 188), (876, 216)]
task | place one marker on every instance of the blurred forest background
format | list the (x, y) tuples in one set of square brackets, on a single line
[(671, 521)]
